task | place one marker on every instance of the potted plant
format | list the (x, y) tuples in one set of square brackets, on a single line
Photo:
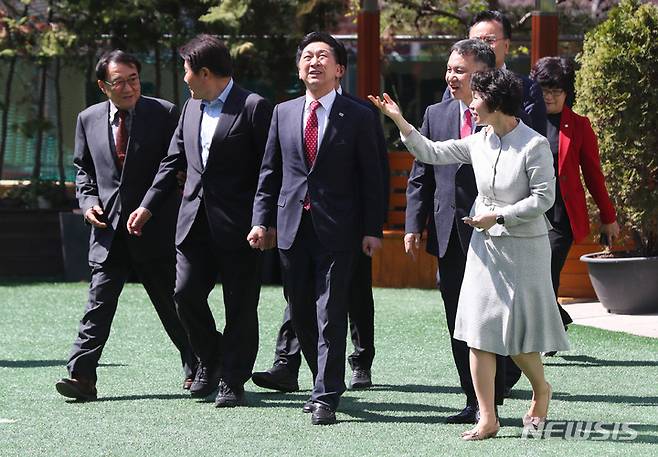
[(617, 88)]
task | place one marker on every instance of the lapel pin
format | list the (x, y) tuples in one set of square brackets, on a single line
[(340, 114), (566, 126)]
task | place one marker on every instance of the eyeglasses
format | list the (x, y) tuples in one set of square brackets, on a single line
[(133, 81), (552, 92), (489, 39)]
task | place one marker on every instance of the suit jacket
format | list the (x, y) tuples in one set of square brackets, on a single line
[(533, 108), (578, 150), (439, 194), (100, 180), (344, 181), (382, 151), (227, 183)]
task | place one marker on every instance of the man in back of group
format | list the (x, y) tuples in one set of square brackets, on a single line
[(495, 29), (118, 146), (439, 196), (219, 142), (361, 310)]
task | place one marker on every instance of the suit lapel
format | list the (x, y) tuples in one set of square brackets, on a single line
[(336, 116), (566, 133), (230, 111), (453, 126), (136, 133), (297, 122), (104, 140)]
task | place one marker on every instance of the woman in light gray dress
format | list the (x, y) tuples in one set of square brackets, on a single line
[(506, 304)]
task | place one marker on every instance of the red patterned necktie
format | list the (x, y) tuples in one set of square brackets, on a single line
[(467, 126), (121, 137), (311, 142)]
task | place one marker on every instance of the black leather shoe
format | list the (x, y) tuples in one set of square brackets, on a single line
[(229, 397), (279, 377), (361, 379), (466, 416), (549, 353), (206, 380), (78, 388), (323, 415), (309, 406)]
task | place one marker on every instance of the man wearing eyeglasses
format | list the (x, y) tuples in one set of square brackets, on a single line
[(119, 144), (495, 29)]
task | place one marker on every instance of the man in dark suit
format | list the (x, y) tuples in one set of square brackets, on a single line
[(439, 196), (361, 306), (495, 29), (118, 146), (320, 187), (219, 142)]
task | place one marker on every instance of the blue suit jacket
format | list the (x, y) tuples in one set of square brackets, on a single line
[(439, 194), (344, 184)]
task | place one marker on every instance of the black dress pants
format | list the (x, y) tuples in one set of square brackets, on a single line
[(316, 283), (361, 314), (561, 241), (450, 276), (199, 260), (107, 281)]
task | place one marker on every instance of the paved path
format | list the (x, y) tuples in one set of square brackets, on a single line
[(593, 314)]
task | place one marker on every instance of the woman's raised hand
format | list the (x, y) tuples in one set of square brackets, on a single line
[(386, 105)]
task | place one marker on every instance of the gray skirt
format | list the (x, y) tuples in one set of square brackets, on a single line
[(506, 303)]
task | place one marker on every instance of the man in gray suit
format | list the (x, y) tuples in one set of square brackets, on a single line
[(438, 196), (118, 146), (320, 187)]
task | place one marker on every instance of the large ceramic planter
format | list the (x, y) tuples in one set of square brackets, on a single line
[(625, 285)]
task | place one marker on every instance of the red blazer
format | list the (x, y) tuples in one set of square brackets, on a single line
[(578, 149)]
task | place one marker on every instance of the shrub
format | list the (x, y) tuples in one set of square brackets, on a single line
[(617, 88)]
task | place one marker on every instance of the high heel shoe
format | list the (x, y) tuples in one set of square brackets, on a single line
[(537, 422), (475, 435)]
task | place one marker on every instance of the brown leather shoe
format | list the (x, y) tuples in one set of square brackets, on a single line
[(78, 388)]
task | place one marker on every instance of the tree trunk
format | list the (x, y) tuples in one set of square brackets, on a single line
[(5, 111), (41, 108), (59, 128), (158, 74), (174, 74)]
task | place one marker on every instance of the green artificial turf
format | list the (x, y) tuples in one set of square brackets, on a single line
[(142, 411)]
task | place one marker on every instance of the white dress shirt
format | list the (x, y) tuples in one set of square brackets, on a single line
[(211, 112), (322, 112)]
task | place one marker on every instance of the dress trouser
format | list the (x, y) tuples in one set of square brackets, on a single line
[(107, 281), (199, 260), (361, 314), (450, 276), (316, 282)]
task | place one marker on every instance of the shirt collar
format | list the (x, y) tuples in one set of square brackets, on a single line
[(222, 96), (326, 101), (340, 90), (462, 107), (114, 110)]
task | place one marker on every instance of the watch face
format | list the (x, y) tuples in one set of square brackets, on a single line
[(500, 220)]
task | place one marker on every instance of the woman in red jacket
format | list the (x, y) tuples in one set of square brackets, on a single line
[(575, 151)]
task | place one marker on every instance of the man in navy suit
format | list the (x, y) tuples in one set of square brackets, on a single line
[(439, 196), (320, 187), (495, 29), (361, 310), (219, 142), (118, 146)]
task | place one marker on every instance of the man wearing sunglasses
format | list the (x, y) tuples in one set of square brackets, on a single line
[(119, 144)]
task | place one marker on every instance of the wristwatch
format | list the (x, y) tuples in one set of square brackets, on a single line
[(500, 220)]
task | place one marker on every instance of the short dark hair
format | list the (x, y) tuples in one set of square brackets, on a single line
[(337, 47), (554, 73), (500, 89), (207, 51), (493, 15), (115, 56), (480, 51)]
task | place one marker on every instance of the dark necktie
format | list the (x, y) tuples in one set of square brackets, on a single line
[(467, 126), (311, 142), (122, 137)]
